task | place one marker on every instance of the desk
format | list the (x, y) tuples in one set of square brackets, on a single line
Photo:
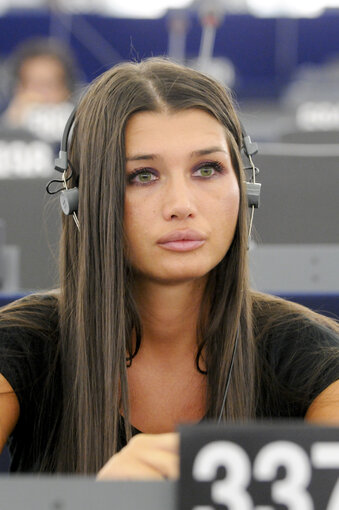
[(83, 493), (263, 465)]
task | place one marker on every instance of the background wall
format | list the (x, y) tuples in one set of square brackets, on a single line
[(297, 224), (265, 51), (300, 187)]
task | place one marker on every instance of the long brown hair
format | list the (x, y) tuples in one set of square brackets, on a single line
[(97, 311)]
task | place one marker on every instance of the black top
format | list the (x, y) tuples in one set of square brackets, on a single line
[(289, 356)]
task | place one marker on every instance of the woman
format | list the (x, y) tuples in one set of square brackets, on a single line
[(154, 297)]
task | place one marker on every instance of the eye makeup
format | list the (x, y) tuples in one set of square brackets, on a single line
[(149, 174), (145, 176), (212, 165)]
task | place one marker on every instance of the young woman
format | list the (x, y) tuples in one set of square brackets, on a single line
[(154, 297)]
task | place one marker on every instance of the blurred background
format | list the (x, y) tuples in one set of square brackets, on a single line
[(281, 60)]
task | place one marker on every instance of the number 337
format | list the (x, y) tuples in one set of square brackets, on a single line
[(290, 491)]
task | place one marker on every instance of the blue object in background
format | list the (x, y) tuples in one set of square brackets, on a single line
[(254, 45), (4, 461)]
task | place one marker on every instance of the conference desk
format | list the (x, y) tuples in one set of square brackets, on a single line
[(253, 466), (83, 493)]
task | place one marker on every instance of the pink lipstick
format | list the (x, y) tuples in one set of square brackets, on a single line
[(182, 240)]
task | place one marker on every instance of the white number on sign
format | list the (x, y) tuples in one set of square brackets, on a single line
[(292, 490), (230, 491)]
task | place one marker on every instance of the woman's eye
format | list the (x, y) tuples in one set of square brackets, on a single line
[(205, 171), (144, 177), (141, 177)]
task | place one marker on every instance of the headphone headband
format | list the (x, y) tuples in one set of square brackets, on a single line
[(61, 163), (250, 148)]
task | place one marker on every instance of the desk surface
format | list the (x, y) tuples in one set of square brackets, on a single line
[(84, 493)]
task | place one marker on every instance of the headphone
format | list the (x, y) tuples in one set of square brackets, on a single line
[(69, 197)]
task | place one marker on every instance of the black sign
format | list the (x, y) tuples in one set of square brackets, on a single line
[(259, 467)]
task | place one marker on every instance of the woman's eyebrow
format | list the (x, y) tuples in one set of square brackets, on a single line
[(200, 152), (209, 150), (139, 157)]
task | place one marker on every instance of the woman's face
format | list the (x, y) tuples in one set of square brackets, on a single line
[(182, 195)]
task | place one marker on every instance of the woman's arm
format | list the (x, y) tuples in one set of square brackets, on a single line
[(325, 407), (145, 457), (9, 410)]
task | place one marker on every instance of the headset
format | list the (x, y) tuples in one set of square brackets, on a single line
[(69, 199)]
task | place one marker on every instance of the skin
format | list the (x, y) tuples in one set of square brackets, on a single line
[(178, 195), (324, 409), (41, 80), (9, 410)]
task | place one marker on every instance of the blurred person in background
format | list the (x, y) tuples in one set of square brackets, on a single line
[(44, 75)]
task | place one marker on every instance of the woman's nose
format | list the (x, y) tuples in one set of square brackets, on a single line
[(178, 202)]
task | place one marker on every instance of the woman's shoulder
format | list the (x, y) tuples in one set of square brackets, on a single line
[(288, 331), (29, 324), (38, 312), (274, 315), (29, 361), (298, 354), (28, 338)]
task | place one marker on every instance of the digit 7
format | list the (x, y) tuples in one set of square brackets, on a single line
[(325, 455)]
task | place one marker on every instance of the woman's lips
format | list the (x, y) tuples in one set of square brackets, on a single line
[(182, 245), (182, 240)]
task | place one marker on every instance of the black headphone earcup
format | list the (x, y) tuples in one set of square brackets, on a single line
[(69, 200)]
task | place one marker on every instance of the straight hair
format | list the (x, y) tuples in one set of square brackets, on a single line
[(97, 313)]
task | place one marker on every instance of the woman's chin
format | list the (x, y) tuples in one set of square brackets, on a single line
[(178, 277)]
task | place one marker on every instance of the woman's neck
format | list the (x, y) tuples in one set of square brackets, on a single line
[(169, 315)]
